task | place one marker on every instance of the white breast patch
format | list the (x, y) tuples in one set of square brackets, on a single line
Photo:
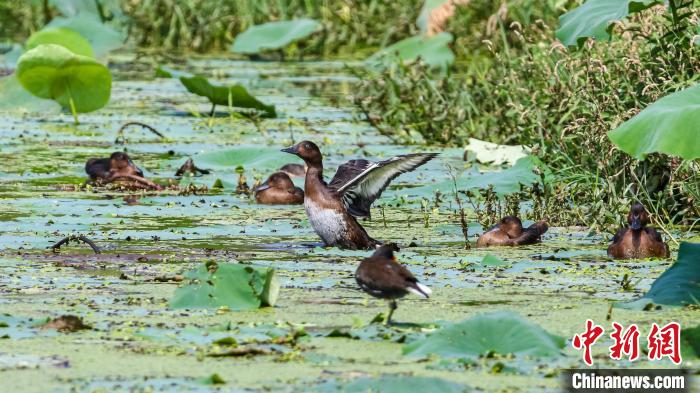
[(328, 223)]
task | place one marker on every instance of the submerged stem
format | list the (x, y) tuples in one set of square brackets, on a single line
[(72, 108)]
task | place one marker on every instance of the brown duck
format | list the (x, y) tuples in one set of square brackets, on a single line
[(638, 240), (383, 277), (279, 189), (333, 208), (117, 167), (510, 232)]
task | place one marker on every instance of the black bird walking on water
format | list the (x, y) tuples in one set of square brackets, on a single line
[(383, 277)]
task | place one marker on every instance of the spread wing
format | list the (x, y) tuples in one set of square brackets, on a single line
[(361, 182)]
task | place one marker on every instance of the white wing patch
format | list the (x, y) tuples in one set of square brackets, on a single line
[(370, 183)]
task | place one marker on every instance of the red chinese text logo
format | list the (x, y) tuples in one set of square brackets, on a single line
[(663, 342)]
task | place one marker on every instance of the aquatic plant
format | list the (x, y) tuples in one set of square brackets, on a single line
[(238, 287), (502, 332), (78, 83), (273, 35), (669, 125), (677, 286), (66, 38), (233, 96)]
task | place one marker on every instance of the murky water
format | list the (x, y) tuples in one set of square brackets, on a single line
[(138, 344)]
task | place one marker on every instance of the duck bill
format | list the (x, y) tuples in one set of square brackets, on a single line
[(292, 149), (636, 224), (262, 187)]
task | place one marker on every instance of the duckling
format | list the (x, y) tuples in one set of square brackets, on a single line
[(638, 240), (117, 166), (382, 276), (510, 232), (278, 189)]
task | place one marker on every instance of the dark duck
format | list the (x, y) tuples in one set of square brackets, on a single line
[(117, 167), (333, 208), (638, 241), (383, 277), (510, 232), (279, 189)]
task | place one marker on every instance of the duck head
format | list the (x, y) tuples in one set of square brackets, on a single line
[(638, 217), (278, 180), (386, 251), (119, 160), (307, 151), (511, 225)]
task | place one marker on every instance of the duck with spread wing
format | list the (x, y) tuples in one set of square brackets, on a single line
[(333, 208)]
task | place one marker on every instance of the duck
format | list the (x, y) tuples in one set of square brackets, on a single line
[(334, 208), (293, 170), (510, 232), (383, 277), (118, 166), (638, 241), (279, 189)]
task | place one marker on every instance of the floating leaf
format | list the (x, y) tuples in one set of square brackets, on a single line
[(500, 332), (169, 72), (259, 158), (492, 260), (273, 35), (393, 384), (76, 82), (102, 38), (13, 97), (504, 182), (594, 19), (670, 125), (432, 50), (234, 95), (66, 38), (493, 153), (677, 286), (238, 287)]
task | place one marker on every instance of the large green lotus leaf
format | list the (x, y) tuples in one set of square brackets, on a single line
[(259, 158), (504, 182), (493, 153), (52, 71), (434, 51), (594, 19), (66, 38), (234, 95), (102, 37), (502, 332), (677, 286), (273, 35), (14, 98), (393, 384), (670, 125), (238, 287)]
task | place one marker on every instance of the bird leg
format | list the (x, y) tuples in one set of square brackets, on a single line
[(392, 306)]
